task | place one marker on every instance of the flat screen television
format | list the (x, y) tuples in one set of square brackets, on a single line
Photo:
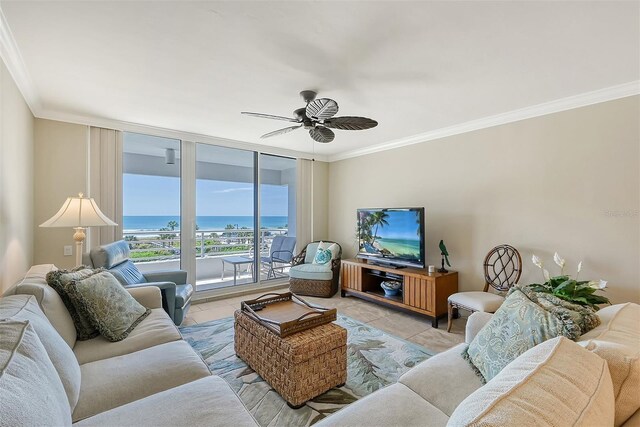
[(393, 236)]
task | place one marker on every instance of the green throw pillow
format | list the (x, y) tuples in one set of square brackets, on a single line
[(325, 253), (58, 280), (111, 309), (524, 320)]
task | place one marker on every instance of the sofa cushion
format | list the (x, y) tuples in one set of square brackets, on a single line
[(396, 405), (35, 284), (31, 391), (60, 280), (206, 402), (113, 311), (311, 271), (113, 382), (25, 307), (524, 320), (156, 329), (478, 301), (617, 340), (444, 371), (555, 383)]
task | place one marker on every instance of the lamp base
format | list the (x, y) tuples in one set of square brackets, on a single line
[(79, 236)]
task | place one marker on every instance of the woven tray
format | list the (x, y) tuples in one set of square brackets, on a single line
[(285, 314)]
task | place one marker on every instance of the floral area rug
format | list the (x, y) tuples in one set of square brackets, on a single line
[(374, 360)]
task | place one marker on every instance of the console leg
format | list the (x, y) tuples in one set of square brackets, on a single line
[(434, 322), (343, 293)]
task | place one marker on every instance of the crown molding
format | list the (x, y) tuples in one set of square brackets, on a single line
[(172, 133), (556, 106), (12, 58)]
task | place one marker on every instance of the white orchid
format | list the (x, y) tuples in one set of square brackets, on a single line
[(579, 269), (536, 261), (559, 261), (598, 284), (546, 275)]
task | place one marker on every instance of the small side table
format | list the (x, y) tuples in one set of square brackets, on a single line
[(235, 261)]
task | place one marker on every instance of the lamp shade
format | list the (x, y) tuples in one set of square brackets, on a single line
[(78, 212)]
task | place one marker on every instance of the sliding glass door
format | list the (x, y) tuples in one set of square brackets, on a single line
[(227, 216), (151, 200), (277, 215)]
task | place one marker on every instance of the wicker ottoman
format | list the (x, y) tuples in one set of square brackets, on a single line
[(300, 366)]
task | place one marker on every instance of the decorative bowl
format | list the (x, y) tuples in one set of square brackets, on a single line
[(391, 287)]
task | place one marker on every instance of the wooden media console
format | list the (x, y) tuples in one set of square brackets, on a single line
[(421, 293)]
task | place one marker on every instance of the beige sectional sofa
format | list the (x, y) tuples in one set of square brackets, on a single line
[(152, 377), (557, 383)]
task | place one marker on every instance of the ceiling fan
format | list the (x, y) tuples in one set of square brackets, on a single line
[(317, 116)]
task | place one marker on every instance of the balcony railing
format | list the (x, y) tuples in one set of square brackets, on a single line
[(149, 246)]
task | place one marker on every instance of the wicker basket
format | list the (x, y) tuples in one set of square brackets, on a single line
[(316, 288), (299, 367)]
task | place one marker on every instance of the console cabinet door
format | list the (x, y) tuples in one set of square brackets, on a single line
[(351, 276), (418, 293)]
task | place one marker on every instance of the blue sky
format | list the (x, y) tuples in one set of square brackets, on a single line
[(159, 195)]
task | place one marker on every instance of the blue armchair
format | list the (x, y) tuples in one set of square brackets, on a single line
[(176, 293)]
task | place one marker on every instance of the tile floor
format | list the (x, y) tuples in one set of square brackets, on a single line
[(411, 327)]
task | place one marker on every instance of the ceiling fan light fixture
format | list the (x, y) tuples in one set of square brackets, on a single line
[(317, 117)]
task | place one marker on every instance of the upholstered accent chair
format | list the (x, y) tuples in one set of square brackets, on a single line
[(318, 280), (502, 269), (115, 257), (280, 255)]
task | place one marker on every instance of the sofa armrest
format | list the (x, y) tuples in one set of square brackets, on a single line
[(475, 322), (148, 296), (179, 277), (168, 290)]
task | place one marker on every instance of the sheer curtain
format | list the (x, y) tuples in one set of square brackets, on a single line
[(105, 182), (304, 197)]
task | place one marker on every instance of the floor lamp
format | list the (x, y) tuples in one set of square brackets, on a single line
[(78, 212)]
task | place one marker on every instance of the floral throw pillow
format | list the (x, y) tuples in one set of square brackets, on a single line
[(109, 307), (58, 280), (326, 252), (524, 320)]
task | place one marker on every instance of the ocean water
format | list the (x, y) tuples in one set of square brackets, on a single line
[(401, 247), (139, 223)]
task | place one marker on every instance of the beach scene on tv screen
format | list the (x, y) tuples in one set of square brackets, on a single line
[(390, 233)]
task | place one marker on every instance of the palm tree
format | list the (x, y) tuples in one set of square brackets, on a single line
[(379, 219), (172, 225)]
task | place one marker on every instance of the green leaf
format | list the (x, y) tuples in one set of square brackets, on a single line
[(567, 286)]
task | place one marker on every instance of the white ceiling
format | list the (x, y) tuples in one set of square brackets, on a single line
[(414, 67)]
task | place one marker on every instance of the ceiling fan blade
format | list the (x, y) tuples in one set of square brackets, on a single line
[(320, 109), (269, 116), (350, 123), (322, 134), (280, 131)]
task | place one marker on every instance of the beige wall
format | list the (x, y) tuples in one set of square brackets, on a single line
[(568, 182), (60, 171), (16, 182)]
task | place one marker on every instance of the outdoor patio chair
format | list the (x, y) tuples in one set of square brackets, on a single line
[(114, 257), (280, 255)]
